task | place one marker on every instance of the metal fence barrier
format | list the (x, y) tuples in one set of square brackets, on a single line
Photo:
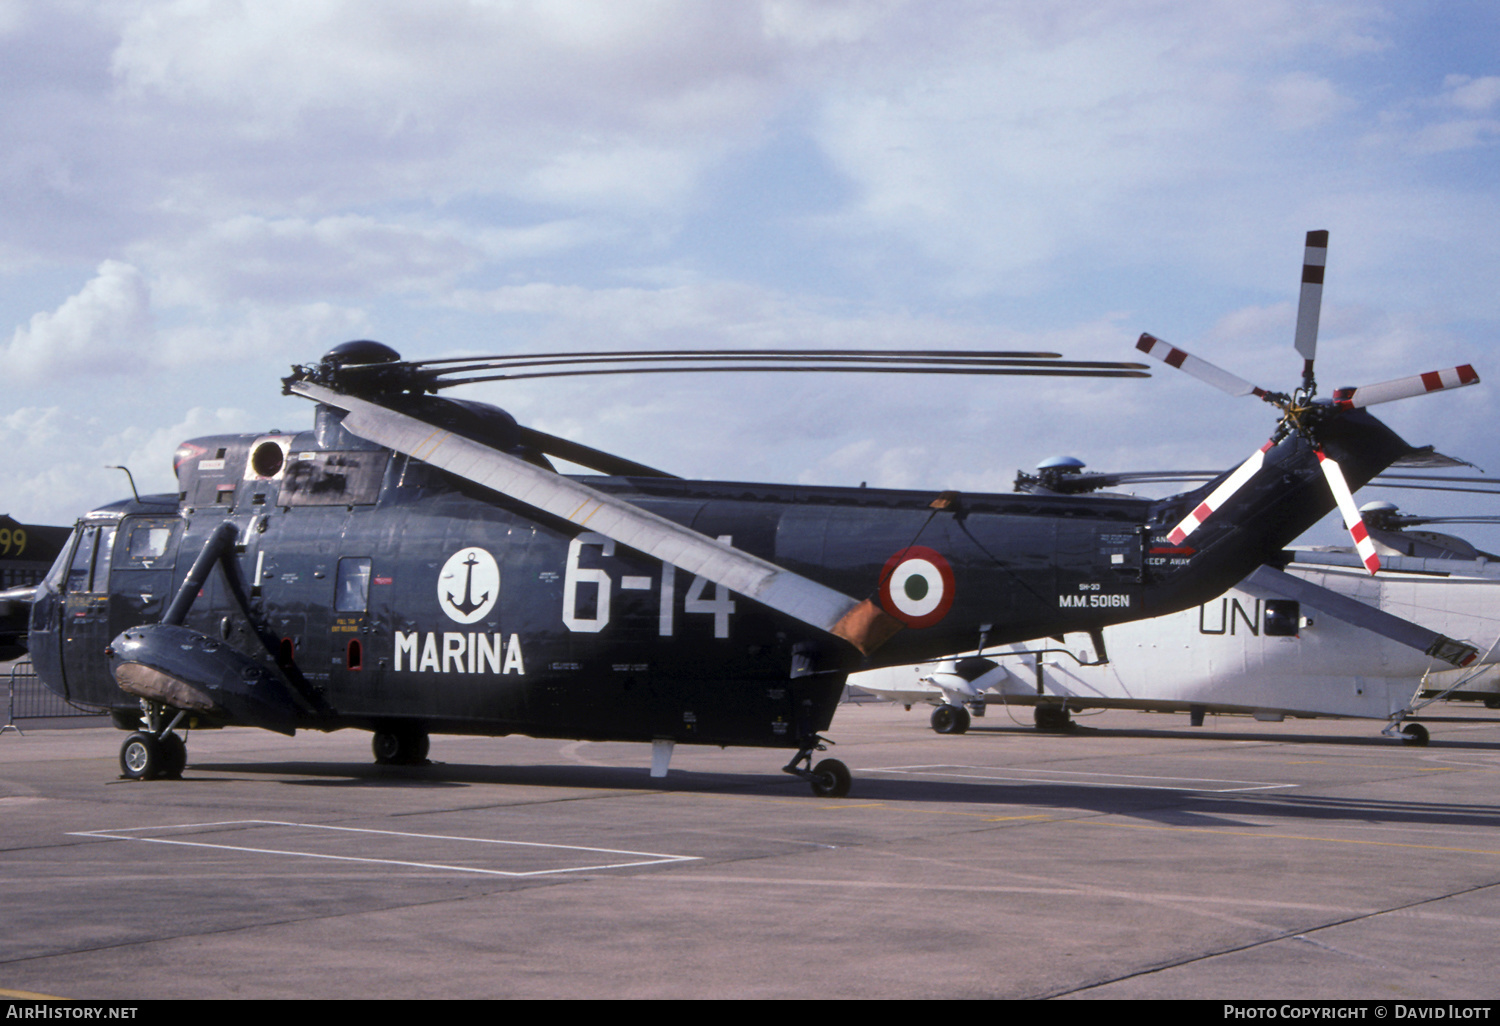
[(27, 699)]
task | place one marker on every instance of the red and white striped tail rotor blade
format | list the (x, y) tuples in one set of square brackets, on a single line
[(1197, 367), (1310, 304), (1363, 543), (1220, 495), (1405, 388)]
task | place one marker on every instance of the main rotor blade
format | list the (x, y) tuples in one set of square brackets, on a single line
[(1405, 388), (812, 603), (1198, 367), (1310, 303), (440, 373), (1220, 495), (390, 376), (1352, 611), (1052, 370), (1400, 520), (584, 456), (1363, 543), (732, 354)]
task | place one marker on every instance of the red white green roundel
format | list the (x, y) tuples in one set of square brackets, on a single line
[(916, 586)]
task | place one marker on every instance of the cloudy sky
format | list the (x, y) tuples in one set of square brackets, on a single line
[(195, 195)]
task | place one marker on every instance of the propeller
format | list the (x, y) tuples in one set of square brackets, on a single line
[(1301, 413)]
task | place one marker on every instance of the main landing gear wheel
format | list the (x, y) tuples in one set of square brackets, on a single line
[(1416, 735), (1052, 717), (173, 756), (831, 779), (950, 719), (401, 747), (141, 757)]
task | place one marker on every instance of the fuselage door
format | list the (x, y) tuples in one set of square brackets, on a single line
[(141, 573), (85, 615)]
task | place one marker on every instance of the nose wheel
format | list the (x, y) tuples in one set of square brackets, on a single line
[(155, 752), (950, 719)]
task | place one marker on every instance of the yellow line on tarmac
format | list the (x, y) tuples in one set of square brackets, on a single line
[(27, 995)]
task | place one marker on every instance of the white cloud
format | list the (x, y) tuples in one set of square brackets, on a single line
[(1301, 100), (97, 331), (584, 102), (1473, 94), (1451, 121), (1067, 125), (295, 259), (257, 336)]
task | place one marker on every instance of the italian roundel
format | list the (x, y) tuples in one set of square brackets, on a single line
[(916, 586)]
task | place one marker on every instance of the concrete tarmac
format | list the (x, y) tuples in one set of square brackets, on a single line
[(1134, 858)]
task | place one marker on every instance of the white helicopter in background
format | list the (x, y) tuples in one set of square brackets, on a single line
[(1317, 637)]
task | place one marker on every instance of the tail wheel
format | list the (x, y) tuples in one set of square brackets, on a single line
[(831, 779)]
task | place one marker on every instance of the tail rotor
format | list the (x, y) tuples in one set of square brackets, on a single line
[(1301, 412)]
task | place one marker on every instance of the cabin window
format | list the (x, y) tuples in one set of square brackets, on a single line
[(352, 585), (334, 478), (1282, 617)]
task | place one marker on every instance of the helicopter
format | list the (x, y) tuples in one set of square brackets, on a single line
[(415, 564)]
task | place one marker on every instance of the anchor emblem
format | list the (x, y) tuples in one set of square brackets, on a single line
[(469, 603), (480, 577)]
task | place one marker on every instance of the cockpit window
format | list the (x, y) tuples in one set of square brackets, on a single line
[(150, 544), (83, 560), (89, 569)]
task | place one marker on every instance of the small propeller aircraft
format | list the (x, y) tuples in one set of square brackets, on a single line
[(414, 564), (1321, 638)]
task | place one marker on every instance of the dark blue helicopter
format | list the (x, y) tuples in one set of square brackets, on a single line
[(414, 564)]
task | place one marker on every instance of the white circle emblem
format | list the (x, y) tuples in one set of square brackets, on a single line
[(917, 586), (469, 585), (917, 598)]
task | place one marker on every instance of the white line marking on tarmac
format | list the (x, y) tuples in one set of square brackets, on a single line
[(1004, 774), (643, 858)]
